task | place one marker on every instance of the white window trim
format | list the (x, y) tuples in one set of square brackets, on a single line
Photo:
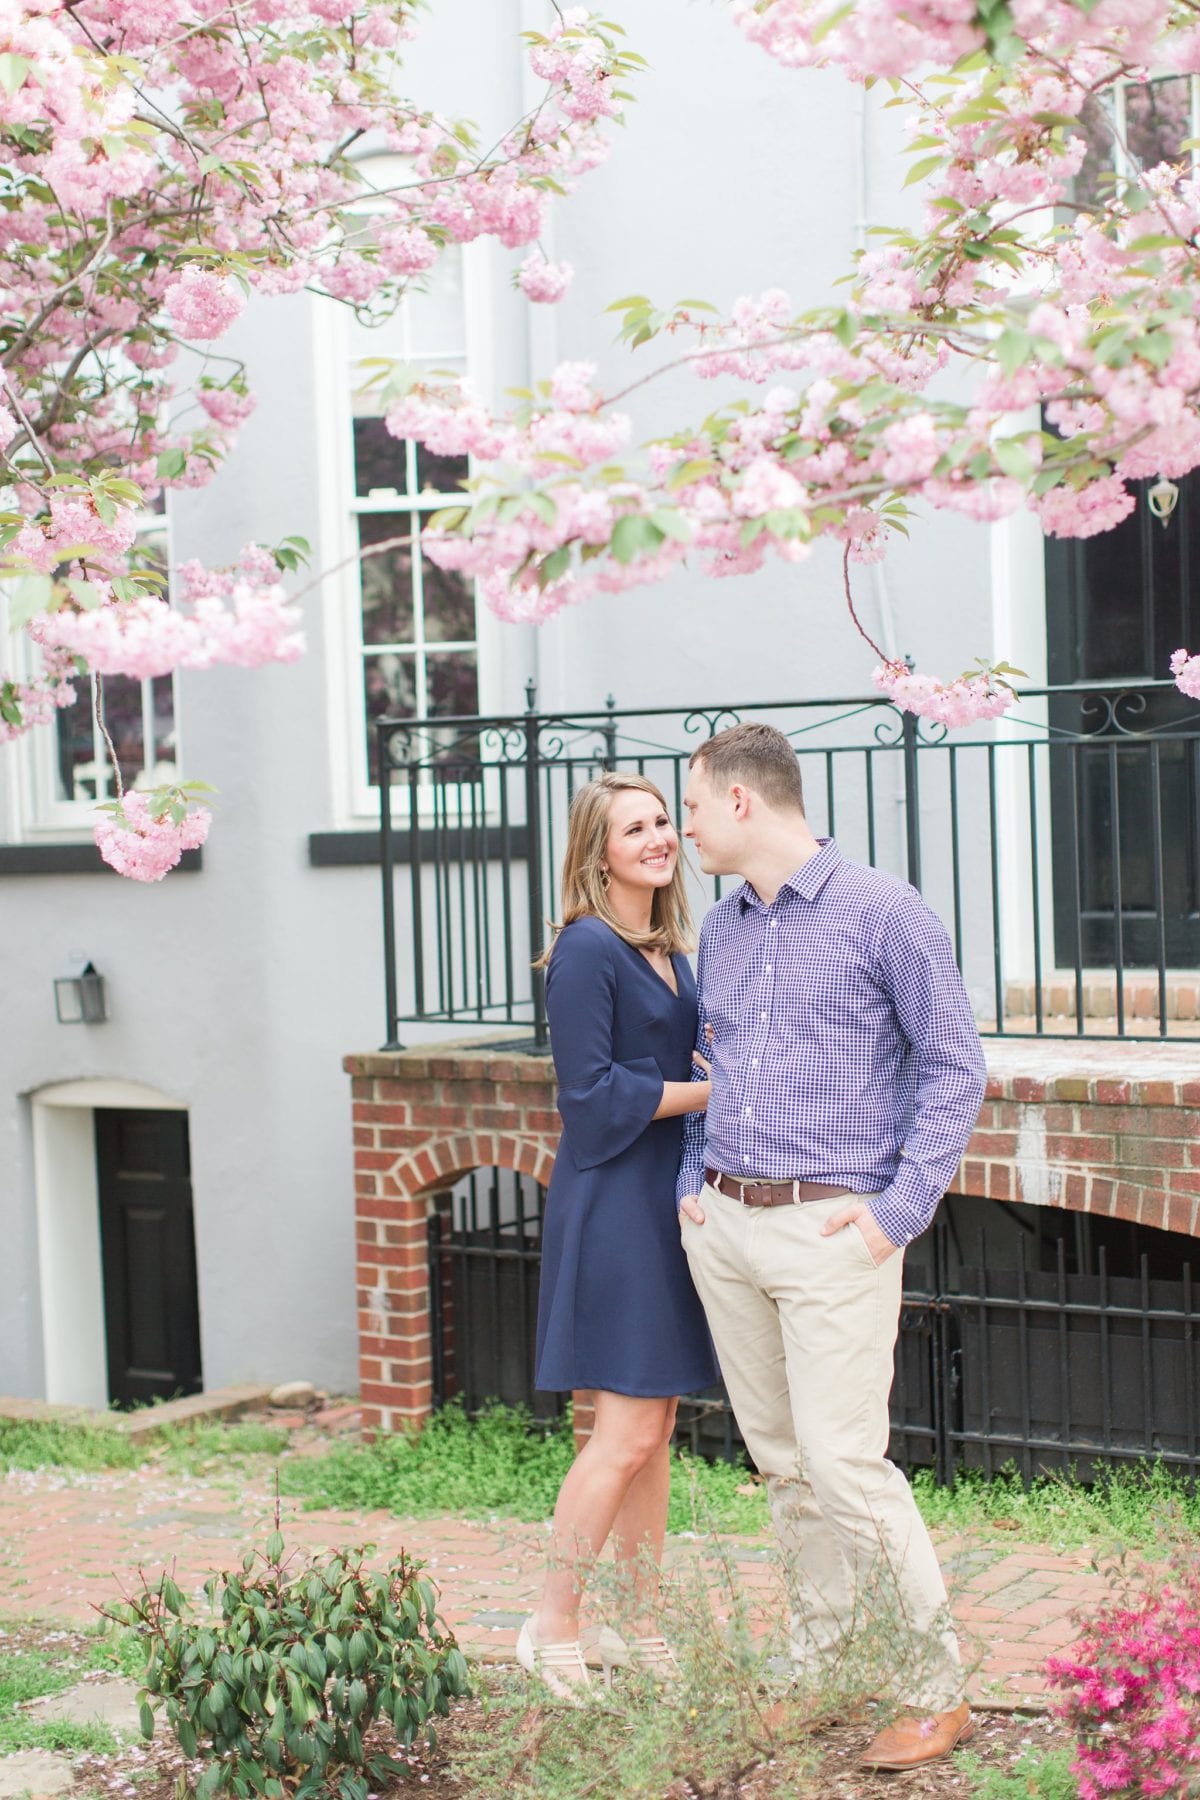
[(355, 803), (31, 758)]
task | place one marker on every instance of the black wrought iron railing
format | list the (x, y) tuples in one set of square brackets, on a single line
[(1060, 845), (1040, 1340)]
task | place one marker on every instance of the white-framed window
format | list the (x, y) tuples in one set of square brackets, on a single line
[(63, 768), (403, 635), (1151, 122)]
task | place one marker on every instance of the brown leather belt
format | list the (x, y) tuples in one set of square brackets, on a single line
[(772, 1193)]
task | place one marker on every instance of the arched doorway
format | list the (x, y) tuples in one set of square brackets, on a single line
[(116, 1244)]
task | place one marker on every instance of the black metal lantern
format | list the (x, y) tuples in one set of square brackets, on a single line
[(79, 994)]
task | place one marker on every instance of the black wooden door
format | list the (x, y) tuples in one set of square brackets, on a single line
[(149, 1255), (1124, 763)]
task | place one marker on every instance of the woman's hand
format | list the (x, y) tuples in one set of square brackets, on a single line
[(699, 1094), (702, 1062)]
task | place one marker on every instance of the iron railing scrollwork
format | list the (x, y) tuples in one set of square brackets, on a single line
[(1060, 845)]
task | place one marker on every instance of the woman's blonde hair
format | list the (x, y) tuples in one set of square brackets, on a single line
[(584, 894)]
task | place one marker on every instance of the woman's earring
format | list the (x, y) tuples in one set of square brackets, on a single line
[(605, 878)]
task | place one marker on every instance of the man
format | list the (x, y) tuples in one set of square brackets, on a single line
[(847, 1075)]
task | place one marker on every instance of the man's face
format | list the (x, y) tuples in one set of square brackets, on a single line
[(711, 823)]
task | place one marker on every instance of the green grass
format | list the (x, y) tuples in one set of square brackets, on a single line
[(31, 1674), (1133, 1505), (500, 1463), (1036, 1775), (185, 1449), (505, 1464)]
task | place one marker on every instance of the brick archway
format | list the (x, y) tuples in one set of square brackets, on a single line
[(1059, 1128), (421, 1121)]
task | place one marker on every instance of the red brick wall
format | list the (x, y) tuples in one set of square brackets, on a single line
[(422, 1118), (1091, 1143)]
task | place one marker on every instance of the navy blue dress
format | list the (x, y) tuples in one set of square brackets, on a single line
[(616, 1308)]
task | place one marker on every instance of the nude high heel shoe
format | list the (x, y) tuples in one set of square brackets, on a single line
[(560, 1666)]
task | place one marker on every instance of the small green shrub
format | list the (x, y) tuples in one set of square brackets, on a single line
[(279, 1692)]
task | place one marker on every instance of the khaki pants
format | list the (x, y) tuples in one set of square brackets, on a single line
[(805, 1328)]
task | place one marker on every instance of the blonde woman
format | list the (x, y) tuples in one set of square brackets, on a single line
[(617, 1310)]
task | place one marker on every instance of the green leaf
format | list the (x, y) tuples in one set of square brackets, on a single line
[(695, 469), (146, 1719), (1012, 349), (632, 535), (32, 596), (275, 1547), (925, 166), (13, 70), (671, 524), (1014, 459)]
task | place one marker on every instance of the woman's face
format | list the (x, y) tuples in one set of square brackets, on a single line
[(642, 847)]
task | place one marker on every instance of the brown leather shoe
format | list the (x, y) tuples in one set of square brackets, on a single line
[(913, 1739)]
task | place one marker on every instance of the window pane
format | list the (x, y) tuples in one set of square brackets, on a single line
[(123, 717), (166, 759), (1157, 119), (453, 684), (1094, 182), (436, 316), (76, 763), (389, 690), (387, 584), (449, 605), (441, 474), (379, 458)]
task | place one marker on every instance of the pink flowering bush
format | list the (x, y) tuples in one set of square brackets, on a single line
[(1131, 1690)]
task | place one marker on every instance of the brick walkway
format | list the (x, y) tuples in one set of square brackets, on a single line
[(68, 1543)]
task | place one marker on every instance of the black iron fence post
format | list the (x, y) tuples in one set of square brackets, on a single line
[(533, 826), (912, 798), (386, 864), (610, 735)]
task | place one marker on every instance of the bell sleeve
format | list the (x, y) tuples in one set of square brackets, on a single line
[(604, 1104)]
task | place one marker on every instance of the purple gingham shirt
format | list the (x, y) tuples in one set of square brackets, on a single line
[(844, 1048)]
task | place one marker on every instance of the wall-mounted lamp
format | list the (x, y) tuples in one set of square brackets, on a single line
[(1162, 498), (79, 994)]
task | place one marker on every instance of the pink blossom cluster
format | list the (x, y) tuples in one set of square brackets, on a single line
[(201, 303), (1131, 1690), (952, 703), (24, 704), (893, 37), (236, 617), (542, 281), (1186, 670), (143, 841)]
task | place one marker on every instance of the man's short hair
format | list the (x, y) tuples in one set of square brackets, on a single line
[(758, 757)]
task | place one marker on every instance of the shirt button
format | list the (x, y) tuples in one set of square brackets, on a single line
[(774, 923), (768, 968), (763, 1017), (747, 1112), (754, 1062)]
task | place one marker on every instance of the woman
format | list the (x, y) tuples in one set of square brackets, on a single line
[(617, 1311)]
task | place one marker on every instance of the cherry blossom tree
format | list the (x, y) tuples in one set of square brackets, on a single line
[(1034, 342), (163, 159)]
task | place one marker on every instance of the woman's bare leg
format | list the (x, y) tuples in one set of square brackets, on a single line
[(640, 1528), (628, 1434)]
